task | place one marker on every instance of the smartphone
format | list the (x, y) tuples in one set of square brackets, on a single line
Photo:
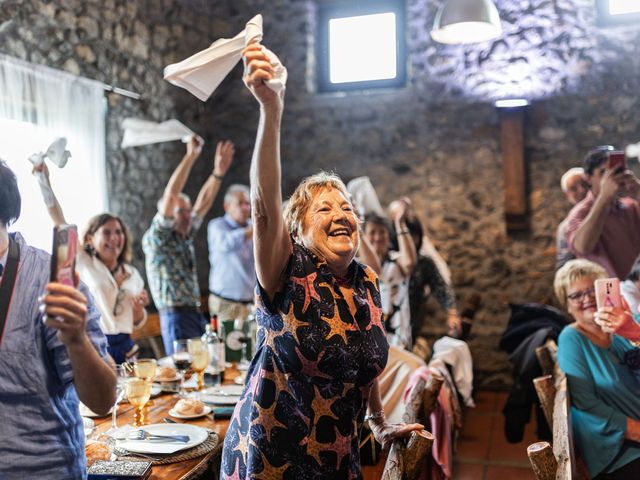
[(617, 161), (608, 293), (63, 254), (119, 470)]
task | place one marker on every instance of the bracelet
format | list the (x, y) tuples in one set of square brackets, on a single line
[(403, 232), (218, 177), (375, 415)]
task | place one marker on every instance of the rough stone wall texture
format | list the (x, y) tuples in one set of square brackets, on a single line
[(437, 140)]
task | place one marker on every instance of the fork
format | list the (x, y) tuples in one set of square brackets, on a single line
[(144, 435)]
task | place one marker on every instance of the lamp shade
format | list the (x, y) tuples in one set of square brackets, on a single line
[(466, 21)]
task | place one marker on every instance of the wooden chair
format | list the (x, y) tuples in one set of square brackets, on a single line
[(557, 462), (150, 332)]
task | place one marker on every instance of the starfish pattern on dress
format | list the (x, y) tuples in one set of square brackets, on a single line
[(309, 289), (338, 327)]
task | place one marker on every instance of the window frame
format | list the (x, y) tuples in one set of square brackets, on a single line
[(329, 11), (606, 19)]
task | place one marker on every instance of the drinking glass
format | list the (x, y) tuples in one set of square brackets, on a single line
[(138, 394), (121, 378), (182, 360), (145, 368), (242, 327), (199, 358)]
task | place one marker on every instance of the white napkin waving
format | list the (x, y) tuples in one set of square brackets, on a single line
[(200, 74), (58, 154), (139, 132), (633, 150), (364, 196)]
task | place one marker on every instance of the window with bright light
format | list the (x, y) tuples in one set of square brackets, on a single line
[(361, 47), (615, 12), (79, 196)]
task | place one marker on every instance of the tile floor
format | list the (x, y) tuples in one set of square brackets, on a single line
[(483, 452)]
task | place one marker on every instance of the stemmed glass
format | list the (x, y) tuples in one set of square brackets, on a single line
[(200, 358), (145, 368), (121, 378), (182, 360), (138, 394)]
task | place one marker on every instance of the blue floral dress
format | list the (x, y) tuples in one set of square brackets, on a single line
[(306, 393)]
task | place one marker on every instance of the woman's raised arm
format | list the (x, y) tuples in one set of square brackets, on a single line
[(272, 243)]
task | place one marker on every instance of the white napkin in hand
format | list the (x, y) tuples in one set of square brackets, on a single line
[(143, 132), (59, 155), (364, 196), (201, 73), (633, 150)]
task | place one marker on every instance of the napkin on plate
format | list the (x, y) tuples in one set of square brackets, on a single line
[(201, 73), (139, 132)]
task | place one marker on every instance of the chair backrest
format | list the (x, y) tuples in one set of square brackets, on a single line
[(151, 332), (554, 397)]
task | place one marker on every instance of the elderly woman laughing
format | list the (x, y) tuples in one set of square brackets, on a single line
[(321, 342)]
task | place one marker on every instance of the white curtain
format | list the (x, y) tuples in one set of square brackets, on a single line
[(37, 105)]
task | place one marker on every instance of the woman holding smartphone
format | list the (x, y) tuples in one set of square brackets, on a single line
[(102, 261), (602, 374)]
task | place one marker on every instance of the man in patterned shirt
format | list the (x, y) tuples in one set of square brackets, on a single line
[(168, 246)]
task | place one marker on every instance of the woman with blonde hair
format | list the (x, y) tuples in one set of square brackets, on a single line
[(321, 342), (602, 374)]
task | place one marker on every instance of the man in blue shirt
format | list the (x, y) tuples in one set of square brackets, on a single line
[(232, 277), (52, 354)]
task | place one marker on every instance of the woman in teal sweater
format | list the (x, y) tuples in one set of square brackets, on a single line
[(603, 379)]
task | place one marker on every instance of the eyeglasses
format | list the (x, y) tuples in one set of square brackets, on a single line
[(117, 307), (577, 297)]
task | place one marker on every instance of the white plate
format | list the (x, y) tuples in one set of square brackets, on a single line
[(222, 394), (86, 412), (197, 435), (156, 390), (206, 411)]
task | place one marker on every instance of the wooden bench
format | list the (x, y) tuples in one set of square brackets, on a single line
[(405, 461), (557, 461)]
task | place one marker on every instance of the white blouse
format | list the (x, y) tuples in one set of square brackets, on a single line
[(394, 295), (113, 302)]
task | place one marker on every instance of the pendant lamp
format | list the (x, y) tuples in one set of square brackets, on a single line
[(466, 21)]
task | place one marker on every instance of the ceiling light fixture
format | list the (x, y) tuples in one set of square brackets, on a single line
[(466, 21)]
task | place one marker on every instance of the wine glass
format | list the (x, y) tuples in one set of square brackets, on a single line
[(121, 379), (182, 360), (200, 358), (145, 368), (138, 394)]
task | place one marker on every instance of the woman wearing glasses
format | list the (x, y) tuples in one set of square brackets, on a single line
[(103, 264), (603, 376)]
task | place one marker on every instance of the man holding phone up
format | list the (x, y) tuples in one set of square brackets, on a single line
[(605, 226), (52, 354)]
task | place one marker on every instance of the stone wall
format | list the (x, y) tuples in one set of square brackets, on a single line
[(437, 140)]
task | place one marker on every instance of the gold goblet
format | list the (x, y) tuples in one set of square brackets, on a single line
[(199, 358), (138, 394), (145, 368)]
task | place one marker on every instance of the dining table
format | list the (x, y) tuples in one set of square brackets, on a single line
[(157, 411)]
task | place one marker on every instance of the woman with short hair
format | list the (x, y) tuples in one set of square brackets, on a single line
[(602, 374), (321, 342)]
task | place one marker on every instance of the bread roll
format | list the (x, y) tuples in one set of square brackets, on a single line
[(189, 406), (96, 451)]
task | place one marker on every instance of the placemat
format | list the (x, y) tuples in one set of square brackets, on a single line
[(205, 447)]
